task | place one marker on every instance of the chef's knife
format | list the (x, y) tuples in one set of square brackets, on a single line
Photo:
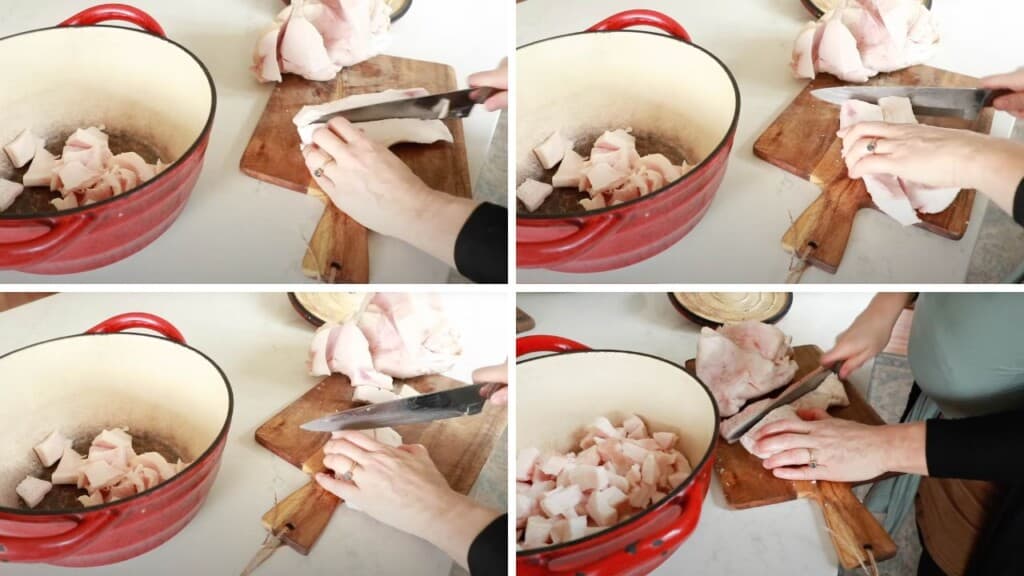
[(809, 383), (456, 104), (957, 102), (462, 401)]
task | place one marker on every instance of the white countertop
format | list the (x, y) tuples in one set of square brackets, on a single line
[(740, 237), (236, 229), (778, 540), (260, 343)]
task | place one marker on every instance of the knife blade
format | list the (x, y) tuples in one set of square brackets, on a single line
[(461, 401), (457, 104), (791, 394), (927, 101)]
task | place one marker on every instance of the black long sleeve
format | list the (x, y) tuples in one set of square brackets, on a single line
[(1018, 204), (488, 555), (481, 250), (976, 448)]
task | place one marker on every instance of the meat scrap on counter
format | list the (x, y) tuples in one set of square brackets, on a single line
[(86, 172), (743, 360), (828, 394), (857, 39), (110, 472), (614, 173), (315, 39), (900, 199), (384, 132), (615, 473), (398, 336)]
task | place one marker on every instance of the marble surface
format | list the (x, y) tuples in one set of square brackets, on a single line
[(778, 540), (236, 229), (739, 238), (261, 344)]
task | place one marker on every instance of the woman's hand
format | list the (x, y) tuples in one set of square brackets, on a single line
[(1011, 103), (868, 334), (494, 374), (842, 450), (939, 157), (374, 187), (403, 488), (497, 78)]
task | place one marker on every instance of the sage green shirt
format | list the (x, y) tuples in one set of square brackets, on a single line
[(966, 351)]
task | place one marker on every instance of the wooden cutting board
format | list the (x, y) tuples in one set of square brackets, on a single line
[(339, 250), (458, 446), (746, 483), (803, 141)]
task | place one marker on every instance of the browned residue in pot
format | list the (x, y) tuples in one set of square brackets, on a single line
[(567, 200), (66, 497), (36, 200)]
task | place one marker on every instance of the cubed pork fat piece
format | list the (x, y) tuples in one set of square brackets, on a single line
[(533, 193), (52, 448), (68, 470), (551, 151), (40, 172), (23, 149), (561, 501), (568, 529), (9, 192), (569, 171), (525, 461), (32, 490), (538, 531)]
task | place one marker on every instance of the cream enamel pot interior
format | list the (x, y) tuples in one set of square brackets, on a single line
[(558, 395), (157, 387), (678, 99), (151, 95)]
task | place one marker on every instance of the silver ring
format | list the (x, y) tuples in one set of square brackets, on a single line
[(872, 145), (347, 476), (811, 461), (319, 173)]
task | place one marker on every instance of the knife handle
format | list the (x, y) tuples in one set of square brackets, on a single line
[(991, 95)]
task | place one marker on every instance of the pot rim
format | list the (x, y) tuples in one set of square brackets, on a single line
[(203, 135), (670, 185), (671, 494), (221, 436)]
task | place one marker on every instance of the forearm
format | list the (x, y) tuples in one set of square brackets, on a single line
[(1000, 172), (458, 525), (886, 307), (435, 226), (905, 448)]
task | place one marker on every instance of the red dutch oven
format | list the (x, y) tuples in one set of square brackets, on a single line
[(679, 99), (158, 387), (560, 394), (145, 89)]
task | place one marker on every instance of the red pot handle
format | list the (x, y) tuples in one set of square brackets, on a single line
[(666, 530), (42, 248), (652, 18), (543, 343), (138, 320), (48, 548), (552, 252), (121, 12)]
